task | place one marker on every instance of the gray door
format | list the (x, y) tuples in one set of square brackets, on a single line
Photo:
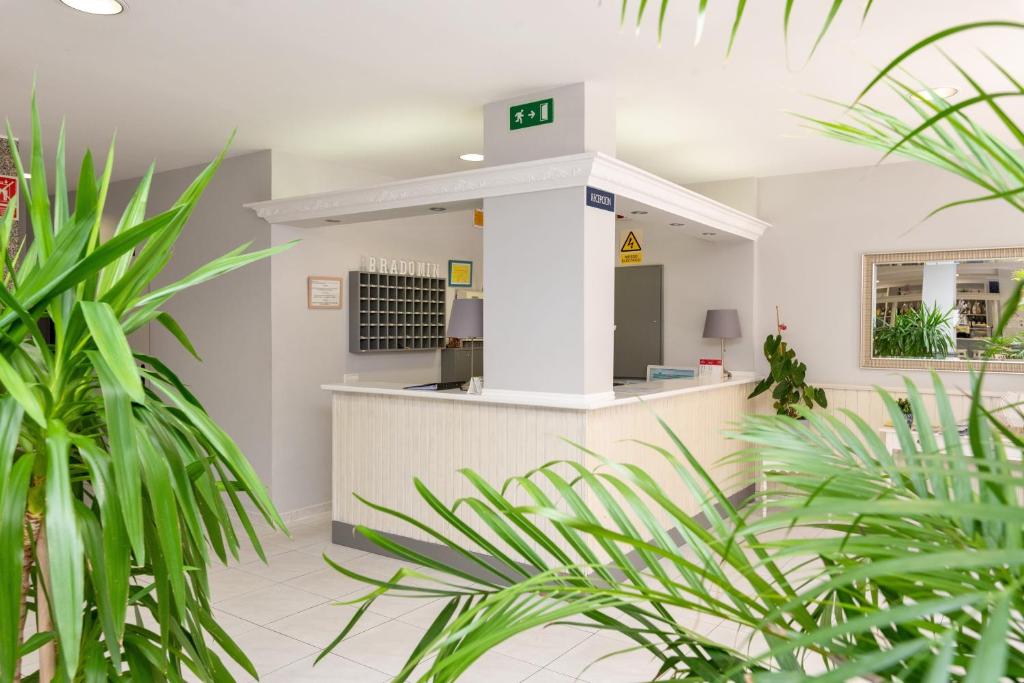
[(638, 324)]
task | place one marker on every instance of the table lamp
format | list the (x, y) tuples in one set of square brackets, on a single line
[(467, 322), (722, 324)]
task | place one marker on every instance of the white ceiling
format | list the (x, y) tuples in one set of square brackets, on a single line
[(397, 87)]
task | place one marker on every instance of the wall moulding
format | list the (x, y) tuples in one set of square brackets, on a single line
[(466, 189)]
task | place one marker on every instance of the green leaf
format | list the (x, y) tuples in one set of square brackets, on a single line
[(13, 494), (113, 346), (989, 661), (123, 453), (172, 326), (64, 547), (12, 380)]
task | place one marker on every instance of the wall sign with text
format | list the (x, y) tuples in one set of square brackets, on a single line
[(393, 266), (323, 291), (599, 199), (631, 249)]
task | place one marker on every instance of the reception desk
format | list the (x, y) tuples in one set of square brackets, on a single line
[(385, 435)]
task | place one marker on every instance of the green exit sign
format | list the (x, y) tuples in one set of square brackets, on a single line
[(531, 114)]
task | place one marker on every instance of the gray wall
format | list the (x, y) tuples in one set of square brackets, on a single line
[(809, 262), (228, 319)]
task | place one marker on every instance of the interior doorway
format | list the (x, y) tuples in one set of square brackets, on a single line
[(638, 320)]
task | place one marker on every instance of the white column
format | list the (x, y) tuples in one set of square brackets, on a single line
[(938, 290), (549, 259)]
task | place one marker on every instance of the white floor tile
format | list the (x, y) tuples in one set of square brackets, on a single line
[(285, 566), (338, 553), (541, 646), (329, 583), (494, 667), (270, 604), (268, 651), (231, 583), (231, 624), (330, 668), (548, 676), (584, 662), (394, 605), (321, 624), (385, 648), (423, 617)]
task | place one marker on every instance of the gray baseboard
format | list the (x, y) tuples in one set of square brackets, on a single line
[(343, 533)]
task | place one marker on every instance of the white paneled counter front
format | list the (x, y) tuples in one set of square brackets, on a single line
[(385, 436)]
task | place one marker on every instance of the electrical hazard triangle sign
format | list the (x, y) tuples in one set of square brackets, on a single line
[(631, 243), (631, 252)]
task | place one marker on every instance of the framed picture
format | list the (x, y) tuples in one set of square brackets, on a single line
[(460, 273), (323, 291)]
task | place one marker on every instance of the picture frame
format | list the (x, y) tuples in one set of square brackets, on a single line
[(460, 273), (323, 292)]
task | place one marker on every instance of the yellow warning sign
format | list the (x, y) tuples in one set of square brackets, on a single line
[(631, 250)]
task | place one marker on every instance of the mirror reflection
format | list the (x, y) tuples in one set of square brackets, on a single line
[(946, 310)]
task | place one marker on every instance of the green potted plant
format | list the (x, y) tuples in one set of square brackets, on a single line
[(787, 377), (907, 410), (117, 489)]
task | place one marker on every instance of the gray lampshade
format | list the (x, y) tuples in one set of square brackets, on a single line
[(722, 323), (467, 319)]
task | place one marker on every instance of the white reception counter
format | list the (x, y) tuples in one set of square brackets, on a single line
[(384, 436)]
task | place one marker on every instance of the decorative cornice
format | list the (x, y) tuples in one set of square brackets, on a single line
[(627, 180), (489, 181), (576, 170)]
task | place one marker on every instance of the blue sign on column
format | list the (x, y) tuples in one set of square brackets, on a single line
[(599, 199)]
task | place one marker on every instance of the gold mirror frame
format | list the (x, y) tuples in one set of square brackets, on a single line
[(867, 360)]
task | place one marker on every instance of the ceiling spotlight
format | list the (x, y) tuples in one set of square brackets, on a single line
[(709, 234), (472, 156), (438, 209), (945, 92), (332, 220), (103, 7), (677, 225), (639, 213)]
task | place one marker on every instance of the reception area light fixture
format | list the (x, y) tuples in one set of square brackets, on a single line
[(945, 92), (472, 156), (101, 7)]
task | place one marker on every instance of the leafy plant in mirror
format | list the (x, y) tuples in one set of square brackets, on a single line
[(787, 377), (924, 332), (115, 484)]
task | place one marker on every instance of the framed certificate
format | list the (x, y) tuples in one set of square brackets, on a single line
[(323, 291)]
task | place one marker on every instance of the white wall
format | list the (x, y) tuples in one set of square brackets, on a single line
[(699, 275), (810, 260), (228, 319), (311, 346)]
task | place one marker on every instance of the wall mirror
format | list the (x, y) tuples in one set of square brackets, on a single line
[(940, 310)]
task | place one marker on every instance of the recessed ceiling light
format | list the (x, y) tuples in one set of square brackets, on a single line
[(472, 156), (677, 225), (332, 220), (709, 234), (945, 92), (104, 7), (639, 213), (438, 209)]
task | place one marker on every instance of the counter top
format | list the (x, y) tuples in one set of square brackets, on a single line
[(621, 395)]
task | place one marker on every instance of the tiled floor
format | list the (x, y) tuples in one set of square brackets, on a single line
[(284, 613)]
